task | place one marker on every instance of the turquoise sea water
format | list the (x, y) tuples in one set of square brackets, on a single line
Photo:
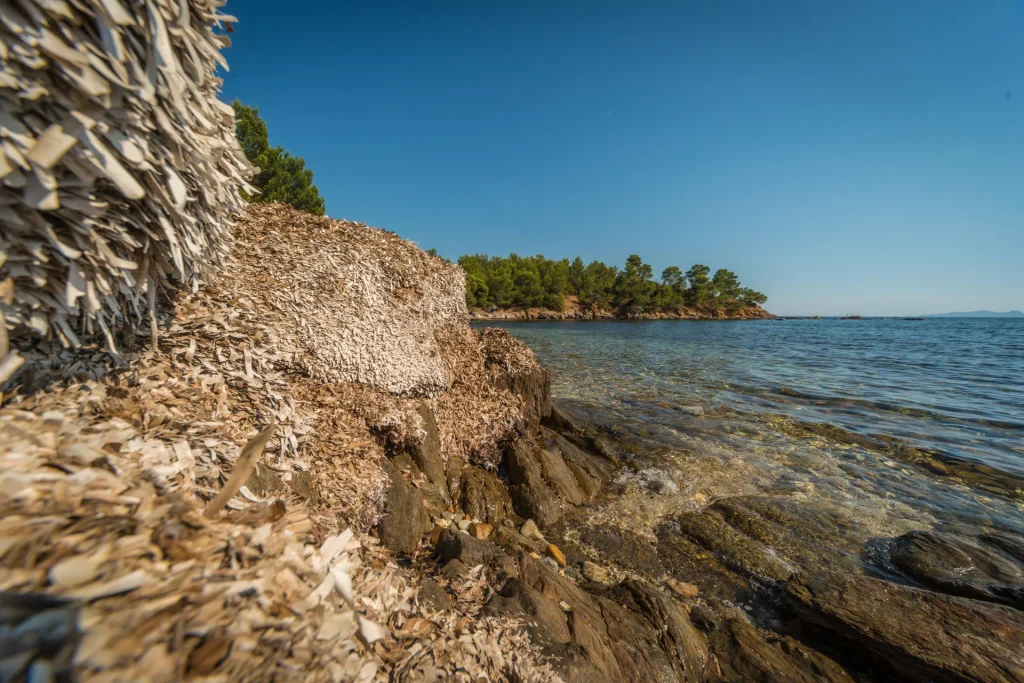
[(925, 416)]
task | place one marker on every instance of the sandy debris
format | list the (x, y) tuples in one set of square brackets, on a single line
[(119, 168)]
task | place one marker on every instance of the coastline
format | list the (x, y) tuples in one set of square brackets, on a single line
[(573, 311), (427, 507)]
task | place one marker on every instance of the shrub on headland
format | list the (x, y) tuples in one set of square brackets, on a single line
[(535, 281), (282, 178)]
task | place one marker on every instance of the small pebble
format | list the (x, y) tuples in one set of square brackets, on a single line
[(556, 554), (686, 590), (530, 530), (596, 573), (481, 530), (464, 525)]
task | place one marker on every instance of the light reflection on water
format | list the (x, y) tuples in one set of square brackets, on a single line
[(949, 386)]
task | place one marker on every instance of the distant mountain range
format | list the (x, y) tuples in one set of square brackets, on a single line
[(977, 314)]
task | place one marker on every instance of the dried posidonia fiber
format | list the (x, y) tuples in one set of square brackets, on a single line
[(119, 168)]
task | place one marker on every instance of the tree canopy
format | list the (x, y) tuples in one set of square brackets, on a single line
[(282, 177), (536, 281)]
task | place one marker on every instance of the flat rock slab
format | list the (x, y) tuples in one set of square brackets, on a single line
[(736, 549), (743, 655), (961, 566), (922, 636)]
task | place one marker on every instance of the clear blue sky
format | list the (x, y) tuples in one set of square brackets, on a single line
[(860, 156)]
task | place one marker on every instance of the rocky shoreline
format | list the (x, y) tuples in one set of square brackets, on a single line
[(623, 614), (574, 311), (321, 472)]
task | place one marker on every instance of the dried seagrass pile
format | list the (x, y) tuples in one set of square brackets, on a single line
[(119, 169), (373, 316), (363, 304), (105, 474)]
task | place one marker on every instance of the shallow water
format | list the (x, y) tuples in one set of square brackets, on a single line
[(902, 424)]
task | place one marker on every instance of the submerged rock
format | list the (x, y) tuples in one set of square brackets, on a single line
[(736, 549), (624, 549), (696, 411), (917, 634), (960, 566), (595, 572)]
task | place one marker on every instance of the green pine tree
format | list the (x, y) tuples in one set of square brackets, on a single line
[(282, 177)]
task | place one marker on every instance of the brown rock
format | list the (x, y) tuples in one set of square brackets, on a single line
[(744, 655), (531, 496), (596, 468), (920, 635), (637, 636), (427, 453), (683, 589), (530, 530), (453, 476), (264, 481), (433, 597), (961, 566), (453, 545), (544, 619), (481, 530), (555, 554), (559, 477), (455, 570), (302, 484), (407, 520), (565, 420), (484, 496)]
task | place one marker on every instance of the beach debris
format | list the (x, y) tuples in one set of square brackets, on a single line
[(119, 167), (244, 466)]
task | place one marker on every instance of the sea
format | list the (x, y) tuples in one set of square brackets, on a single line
[(905, 423)]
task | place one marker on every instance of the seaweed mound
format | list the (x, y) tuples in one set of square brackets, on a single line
[(202, 509), (363, 304), (119, 168)]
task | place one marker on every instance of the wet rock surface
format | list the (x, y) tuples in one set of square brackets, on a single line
[(745, 588), (739, 551), (911, 633), (744, 655), (624, 548), (961, 566)]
